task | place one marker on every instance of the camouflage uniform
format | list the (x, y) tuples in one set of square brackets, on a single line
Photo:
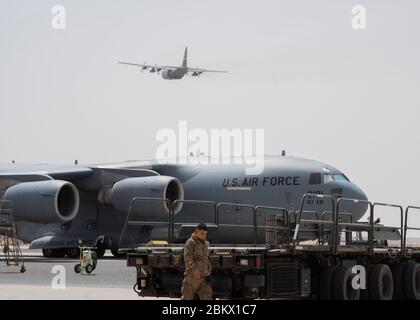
[(196, 258)]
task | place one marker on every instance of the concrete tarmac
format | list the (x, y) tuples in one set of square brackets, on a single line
[(54, 278)]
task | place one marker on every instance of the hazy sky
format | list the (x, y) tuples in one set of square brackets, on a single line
[(297, 69)]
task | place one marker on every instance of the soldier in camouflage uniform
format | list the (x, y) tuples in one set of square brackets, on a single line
[(197, 266)]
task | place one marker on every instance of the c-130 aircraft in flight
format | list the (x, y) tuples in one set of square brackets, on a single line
[(56, 205), (171, 72)]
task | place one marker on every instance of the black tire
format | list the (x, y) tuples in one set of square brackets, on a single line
[(397, 276), (59, 253), (251, 293), (381, 283), (411, 281), (89, 268), (47, 253), (78, 268), (73, 253), (342, 285), (100, 250), (115, 253), (54, 253), (315, 280), (364, 293), (325, 283), (94, 259)]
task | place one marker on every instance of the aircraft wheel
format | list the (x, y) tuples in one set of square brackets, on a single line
[(115, 253), (411, 281), (325, 282), (47, 253), (94, 259), (53, 253), (342, 285), (397, 276), (73, 253), (100, 250), (78, 268), (381, 284), (89, 268), (59, 253)]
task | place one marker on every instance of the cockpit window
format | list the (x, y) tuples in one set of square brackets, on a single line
[(340, 177), (315, 178), (328, 177), (325, 177)]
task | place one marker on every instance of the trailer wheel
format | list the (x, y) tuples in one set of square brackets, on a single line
[(251, 293), (325, 282), (364, 293), (342, 285), (411, 281), (381, 284), (397, 276)]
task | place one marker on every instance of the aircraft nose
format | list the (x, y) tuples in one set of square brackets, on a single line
[(357, 209), (356, 192), (349, 191)]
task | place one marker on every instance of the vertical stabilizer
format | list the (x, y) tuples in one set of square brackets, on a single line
[(184, 61)]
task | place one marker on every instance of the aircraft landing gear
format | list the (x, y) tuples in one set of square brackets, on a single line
[(73, 253), (100, 249), (115, 253), (53, 253)]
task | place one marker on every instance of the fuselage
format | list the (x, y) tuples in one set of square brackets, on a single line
[(282, 183), (174, 73)]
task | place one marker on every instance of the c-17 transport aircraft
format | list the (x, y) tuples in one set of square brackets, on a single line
[(55, 205), (171, 72)]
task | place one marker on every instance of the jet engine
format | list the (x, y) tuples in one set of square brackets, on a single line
[(44, 201), (121, 195)]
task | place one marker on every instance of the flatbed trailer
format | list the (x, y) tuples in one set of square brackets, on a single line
[(338, 264)]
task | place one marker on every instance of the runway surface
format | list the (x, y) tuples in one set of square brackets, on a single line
[(111, 279)]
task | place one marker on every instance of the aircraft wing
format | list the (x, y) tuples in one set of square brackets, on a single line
[(195, 71), (136, 64), (26, 173), (147, 66), (198, 71)]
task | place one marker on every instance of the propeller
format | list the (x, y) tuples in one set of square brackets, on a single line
[(196, 73), (144, 67)]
